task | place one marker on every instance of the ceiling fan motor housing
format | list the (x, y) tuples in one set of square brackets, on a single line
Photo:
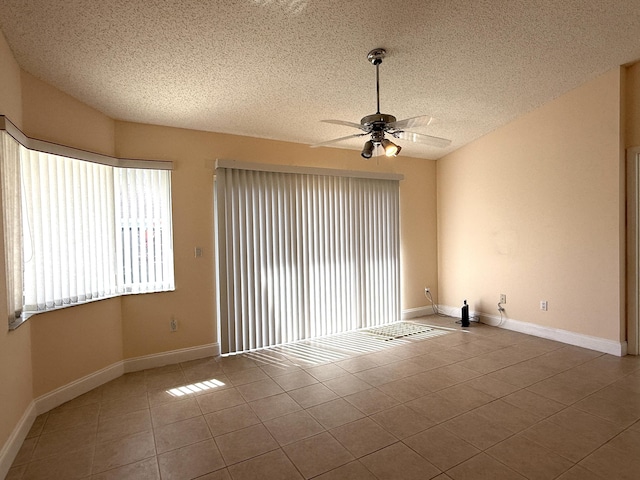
[(377, 121)]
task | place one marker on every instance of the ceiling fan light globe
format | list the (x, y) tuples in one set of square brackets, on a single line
[(390, 148), (367, 150)]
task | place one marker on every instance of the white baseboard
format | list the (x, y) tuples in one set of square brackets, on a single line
[(14, 442), (67, 392), (416, 312), (78, 387), (598, 344), (174, 356)]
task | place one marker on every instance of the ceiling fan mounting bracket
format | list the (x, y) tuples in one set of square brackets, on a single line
[(376, 55)]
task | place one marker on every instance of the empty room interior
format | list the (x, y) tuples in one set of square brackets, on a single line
[(340, 240)]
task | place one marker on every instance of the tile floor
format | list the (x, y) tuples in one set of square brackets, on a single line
[(482, 404)]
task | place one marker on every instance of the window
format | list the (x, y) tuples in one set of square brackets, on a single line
[(88, 230)]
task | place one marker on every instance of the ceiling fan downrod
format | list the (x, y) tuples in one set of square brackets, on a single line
[(375, 56)]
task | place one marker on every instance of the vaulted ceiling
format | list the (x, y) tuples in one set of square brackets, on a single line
[(276, 68)]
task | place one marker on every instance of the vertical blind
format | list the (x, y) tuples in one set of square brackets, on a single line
[(10, 151), (303, 255), (76, 231)]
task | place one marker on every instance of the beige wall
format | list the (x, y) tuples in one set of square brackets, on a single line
[(146, 317), (534, 210), (53, 349), (15, 350)]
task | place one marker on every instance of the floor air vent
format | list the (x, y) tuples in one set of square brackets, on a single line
[(398, 330)]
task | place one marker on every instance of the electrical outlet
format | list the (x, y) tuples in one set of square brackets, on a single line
[(427, 290), (173, 325), (544, 305), (503, 298)]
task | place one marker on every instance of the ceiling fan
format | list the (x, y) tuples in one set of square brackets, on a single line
[(379, 124)]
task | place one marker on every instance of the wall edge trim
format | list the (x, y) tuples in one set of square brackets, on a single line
[(173, 356), (13, 444), (416, 312), (619, 349)]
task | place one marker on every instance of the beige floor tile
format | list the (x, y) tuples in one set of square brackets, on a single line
[(64, 441), (346, 385), (533, 403), (248, 375), (280, 368), (401, 421), (191, 461), (380, 375), (356, 364), (444, 377), (506, 415), (441, 447), (335, 413), (529, 459), (465, 396), (614, 405), (351, 471), (272, 465), (483, 467), (220, 400), (371, 401), (111, 428), (38, 425), (609, 463), (260, 389), (292, 381), (323, 373), (491, 386), (168, 380), (246, 443), (522, 374), (16, 473), (293, 427), (312, 395), (566, 388), (222, 474), (174, 412), (579, 473), (477, 430), (405, 389), (399, 462), (569, 444), (318, 454), (123, 451), (203, 369), (435, 408), (72, 465), (585, 424), (233, 363), (274, 406), (126, 386), (143, 470), (114, 406), (71, 417), (180, 434), (25, 454), (362, 437), (231, 419)]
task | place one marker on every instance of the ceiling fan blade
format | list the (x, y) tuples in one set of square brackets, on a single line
[(422, 138), (345, 124), (413, 122), (336, 140)]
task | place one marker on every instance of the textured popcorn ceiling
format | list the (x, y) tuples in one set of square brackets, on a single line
[(275, 68)]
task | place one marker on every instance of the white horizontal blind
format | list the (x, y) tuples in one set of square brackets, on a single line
[(303, 255), (92, 231)]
